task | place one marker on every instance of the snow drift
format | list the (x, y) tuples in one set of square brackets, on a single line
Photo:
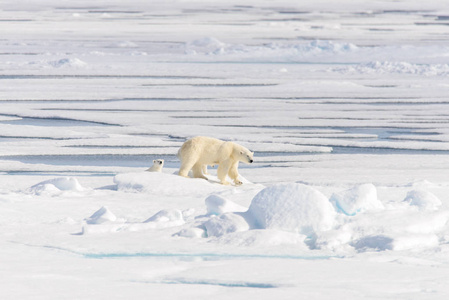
[(423, 200), (292, 207), (217, 205), (103, 215), (357, 199), (56, 186), (164, 184)]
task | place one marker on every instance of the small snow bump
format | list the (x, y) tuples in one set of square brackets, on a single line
[(103, 215), (357, 199), (68, 63), (423, 200)]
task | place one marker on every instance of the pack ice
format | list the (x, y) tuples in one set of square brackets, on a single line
[(349, 221), (345, 104)]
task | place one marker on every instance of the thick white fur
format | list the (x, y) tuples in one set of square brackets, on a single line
[(157, 166), (199, 152)]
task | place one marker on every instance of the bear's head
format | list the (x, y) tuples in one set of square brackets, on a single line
[(158, 162), (245, 156)]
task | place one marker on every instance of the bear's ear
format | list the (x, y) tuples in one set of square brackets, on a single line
[(154, 161), (241, 152), (252, 153)]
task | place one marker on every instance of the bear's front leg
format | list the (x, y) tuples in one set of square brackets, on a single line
[(223, 170), (234, 174)]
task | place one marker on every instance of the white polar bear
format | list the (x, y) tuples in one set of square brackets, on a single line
[(205, 169), (199, 152), (157, 166)]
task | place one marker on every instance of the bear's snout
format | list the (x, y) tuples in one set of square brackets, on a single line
[(250, 161)]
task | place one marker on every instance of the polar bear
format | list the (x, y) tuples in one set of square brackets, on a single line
[(199, 152), (205, 169), (157, 166)]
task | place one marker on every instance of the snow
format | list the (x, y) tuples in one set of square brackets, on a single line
[(102, 215), (56, 185), (68, 63), (162, 184), (167, 216), (218, 205), (226, 223), (357, 199), (211, 46), (387, 67), (292, 207), (423, 200), (344, 105)]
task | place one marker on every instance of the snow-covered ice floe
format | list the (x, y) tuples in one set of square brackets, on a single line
[(350, 221), (344, 105)]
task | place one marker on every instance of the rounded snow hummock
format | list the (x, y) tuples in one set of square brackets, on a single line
[(103, 215), (292, 207), (57, 185), (217, 205), (357, 199), (423, 200)]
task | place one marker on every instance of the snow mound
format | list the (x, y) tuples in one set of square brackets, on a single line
[(56, 185), (103, 215), (165, 216), (217, 205), (357, 199), (164, 184), (386, 67), (104, 221), (423, 200), (226, 223), (68, 63), (291, 207), (208, 45)]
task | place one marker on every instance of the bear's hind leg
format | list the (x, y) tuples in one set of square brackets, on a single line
[(204, 169), (198, 171), (184, 169)]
